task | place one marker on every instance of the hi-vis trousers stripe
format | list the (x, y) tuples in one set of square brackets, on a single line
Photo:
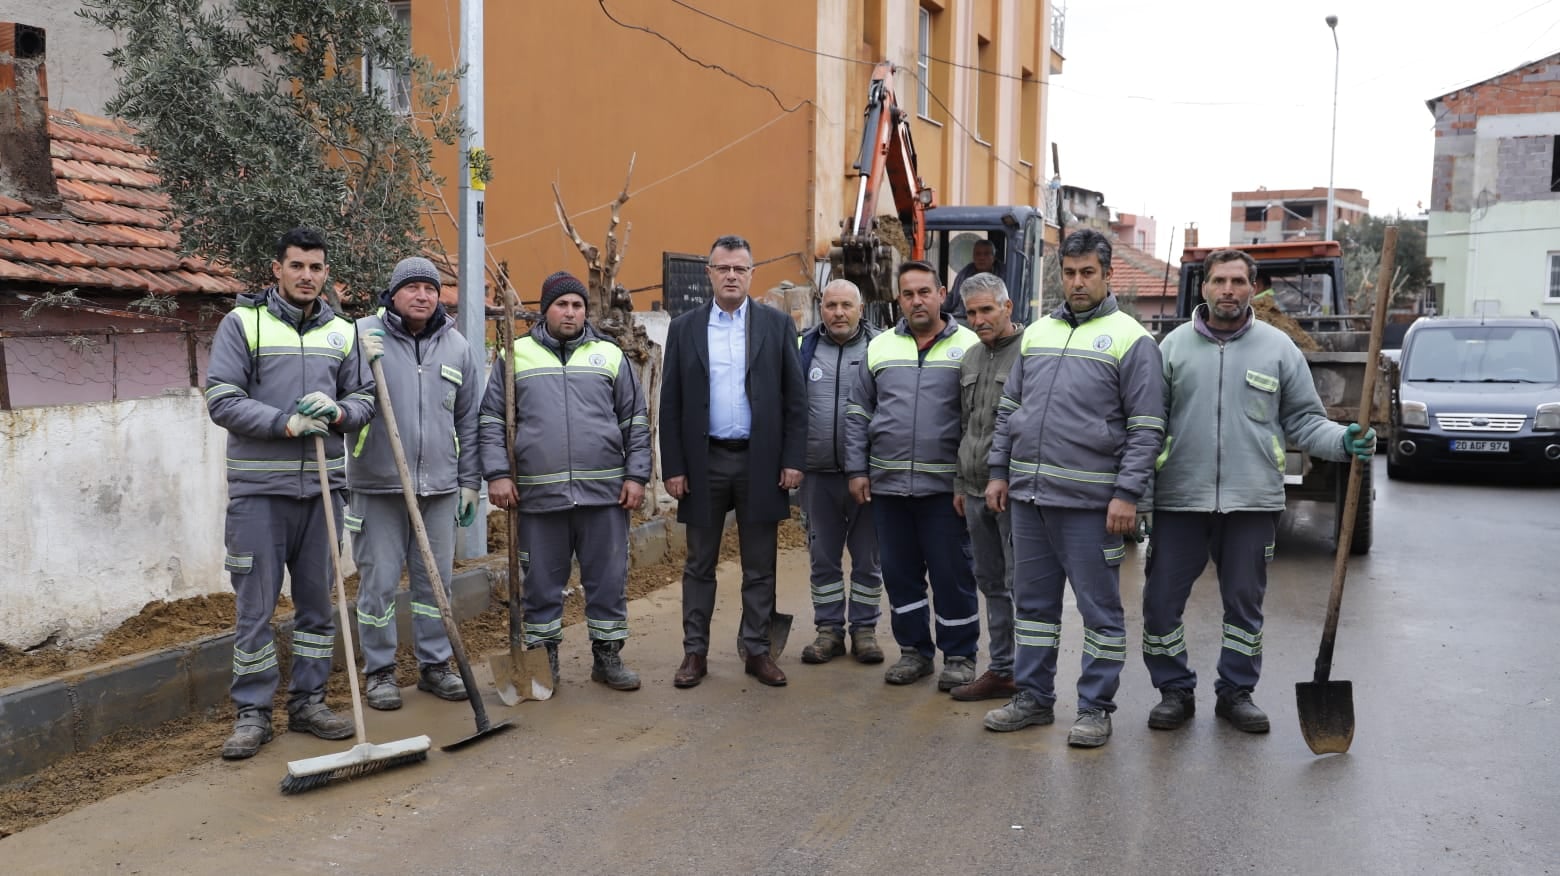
[(425, 609), (606, 630), (824, 594), (246, 663), (1036, 634), (381, 622), (547, 631), (312, 645), (865, 595), (1168, 645), (1242, 641), (1097, 644)]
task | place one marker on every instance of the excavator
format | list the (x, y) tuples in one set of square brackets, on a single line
[(866, 257)]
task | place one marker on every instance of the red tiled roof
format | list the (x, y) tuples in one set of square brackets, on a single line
[(115, 232), (1133, 270)]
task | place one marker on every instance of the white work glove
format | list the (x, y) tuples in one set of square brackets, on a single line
[(466, 514), (299, 425), (373, 342), (320, 406)]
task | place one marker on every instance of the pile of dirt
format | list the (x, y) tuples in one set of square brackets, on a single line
[(158, 625), (1267, 311), (892, 232)]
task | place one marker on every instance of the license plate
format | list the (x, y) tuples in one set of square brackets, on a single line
[(1465, 446)]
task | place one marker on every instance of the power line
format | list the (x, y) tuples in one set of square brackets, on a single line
[(705, 64)]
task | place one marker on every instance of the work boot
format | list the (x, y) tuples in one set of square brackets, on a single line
[(381, 691), (863, 644), (1176, 705), (250, 731), (1238, 709), (990, 686), (317, 718), (910, 668), (829, 645), (1091, 730), (437, 679), (608, 667), (956, 671), (552, 660), (1022, 710)]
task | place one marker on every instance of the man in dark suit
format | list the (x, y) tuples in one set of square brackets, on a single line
[(733, 426)]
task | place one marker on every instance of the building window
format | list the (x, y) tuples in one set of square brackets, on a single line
[(1554, 165), (394, 85), (1256, 214), (1553, 293), (985, 90), (923, 66)]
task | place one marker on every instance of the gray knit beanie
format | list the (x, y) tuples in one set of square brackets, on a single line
[(409, 270)]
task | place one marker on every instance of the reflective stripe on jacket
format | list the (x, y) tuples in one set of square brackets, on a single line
[(266, 356), (432, 380), (829, 376), (1232, 404), (581, 422), (1083, 414), (902, 421)]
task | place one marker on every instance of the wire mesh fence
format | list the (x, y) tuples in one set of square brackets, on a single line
[(41, 367)]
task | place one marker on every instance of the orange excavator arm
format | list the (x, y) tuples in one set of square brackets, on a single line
[(887, 155)]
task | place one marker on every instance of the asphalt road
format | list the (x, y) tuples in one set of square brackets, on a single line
[(1448, 634)]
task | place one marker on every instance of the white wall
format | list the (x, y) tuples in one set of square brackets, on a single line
[(107, 506), (1499, 254)]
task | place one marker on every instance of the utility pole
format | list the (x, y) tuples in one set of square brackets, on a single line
[(473, 250), (1332, 156)]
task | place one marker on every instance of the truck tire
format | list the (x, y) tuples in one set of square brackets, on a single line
[(1359, 546)]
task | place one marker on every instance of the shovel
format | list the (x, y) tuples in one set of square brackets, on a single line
[(779, 634), (520, 674), (1326, 707), (485, 727)]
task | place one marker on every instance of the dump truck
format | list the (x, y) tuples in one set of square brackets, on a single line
[(1301, 290)]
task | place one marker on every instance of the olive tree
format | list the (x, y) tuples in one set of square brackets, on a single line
[(260, 118)]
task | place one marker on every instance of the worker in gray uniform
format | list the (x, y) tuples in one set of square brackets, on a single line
[(982, 375), (831, 354), (1079, 425), (582, 455), (432, 377), (1220, 488), (284, 368)]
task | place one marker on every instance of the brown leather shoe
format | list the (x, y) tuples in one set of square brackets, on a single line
[(691, 672), (990, 686), (761, 667)]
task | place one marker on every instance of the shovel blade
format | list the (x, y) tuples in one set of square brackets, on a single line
[(521, 679), (779, 634), (1326, 715)]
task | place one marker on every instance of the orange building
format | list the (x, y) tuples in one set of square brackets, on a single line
[(745, 118)]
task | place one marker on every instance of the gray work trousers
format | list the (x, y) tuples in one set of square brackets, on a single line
[(836, 522), (1051, 548), (264, 535), (384, 545), (598, 537), (728, 486), (991, 540), (1241, 546)]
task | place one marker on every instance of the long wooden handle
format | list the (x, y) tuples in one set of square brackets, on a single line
[(1351, 499), (341, 589), (506, 336), (431, 565)]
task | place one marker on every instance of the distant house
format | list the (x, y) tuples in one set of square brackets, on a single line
[(1494, 229), (85, 242), (1144, 284), (1278, 215)]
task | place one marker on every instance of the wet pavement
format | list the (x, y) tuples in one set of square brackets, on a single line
[(1447, 634)]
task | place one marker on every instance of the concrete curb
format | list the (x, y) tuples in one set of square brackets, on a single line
[(44, 721)]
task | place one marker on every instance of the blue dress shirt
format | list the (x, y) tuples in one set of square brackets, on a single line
[(730, 416)]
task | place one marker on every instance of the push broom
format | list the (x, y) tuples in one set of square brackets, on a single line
[(365, 757)]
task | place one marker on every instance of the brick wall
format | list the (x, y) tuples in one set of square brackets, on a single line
[(1526, 163)]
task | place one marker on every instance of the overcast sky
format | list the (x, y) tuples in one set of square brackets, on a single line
[(1168, 107)]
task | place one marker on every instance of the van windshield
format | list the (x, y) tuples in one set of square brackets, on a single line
[(1483, 354)]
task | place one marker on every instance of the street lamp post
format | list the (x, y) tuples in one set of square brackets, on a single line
[(1332, 157)]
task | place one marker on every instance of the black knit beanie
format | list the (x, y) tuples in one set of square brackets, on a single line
[(560, 284)]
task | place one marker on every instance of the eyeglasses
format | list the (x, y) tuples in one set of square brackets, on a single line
[(739, 270)]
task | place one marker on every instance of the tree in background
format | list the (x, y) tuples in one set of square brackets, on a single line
[(261, 119), (1362, 241)]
